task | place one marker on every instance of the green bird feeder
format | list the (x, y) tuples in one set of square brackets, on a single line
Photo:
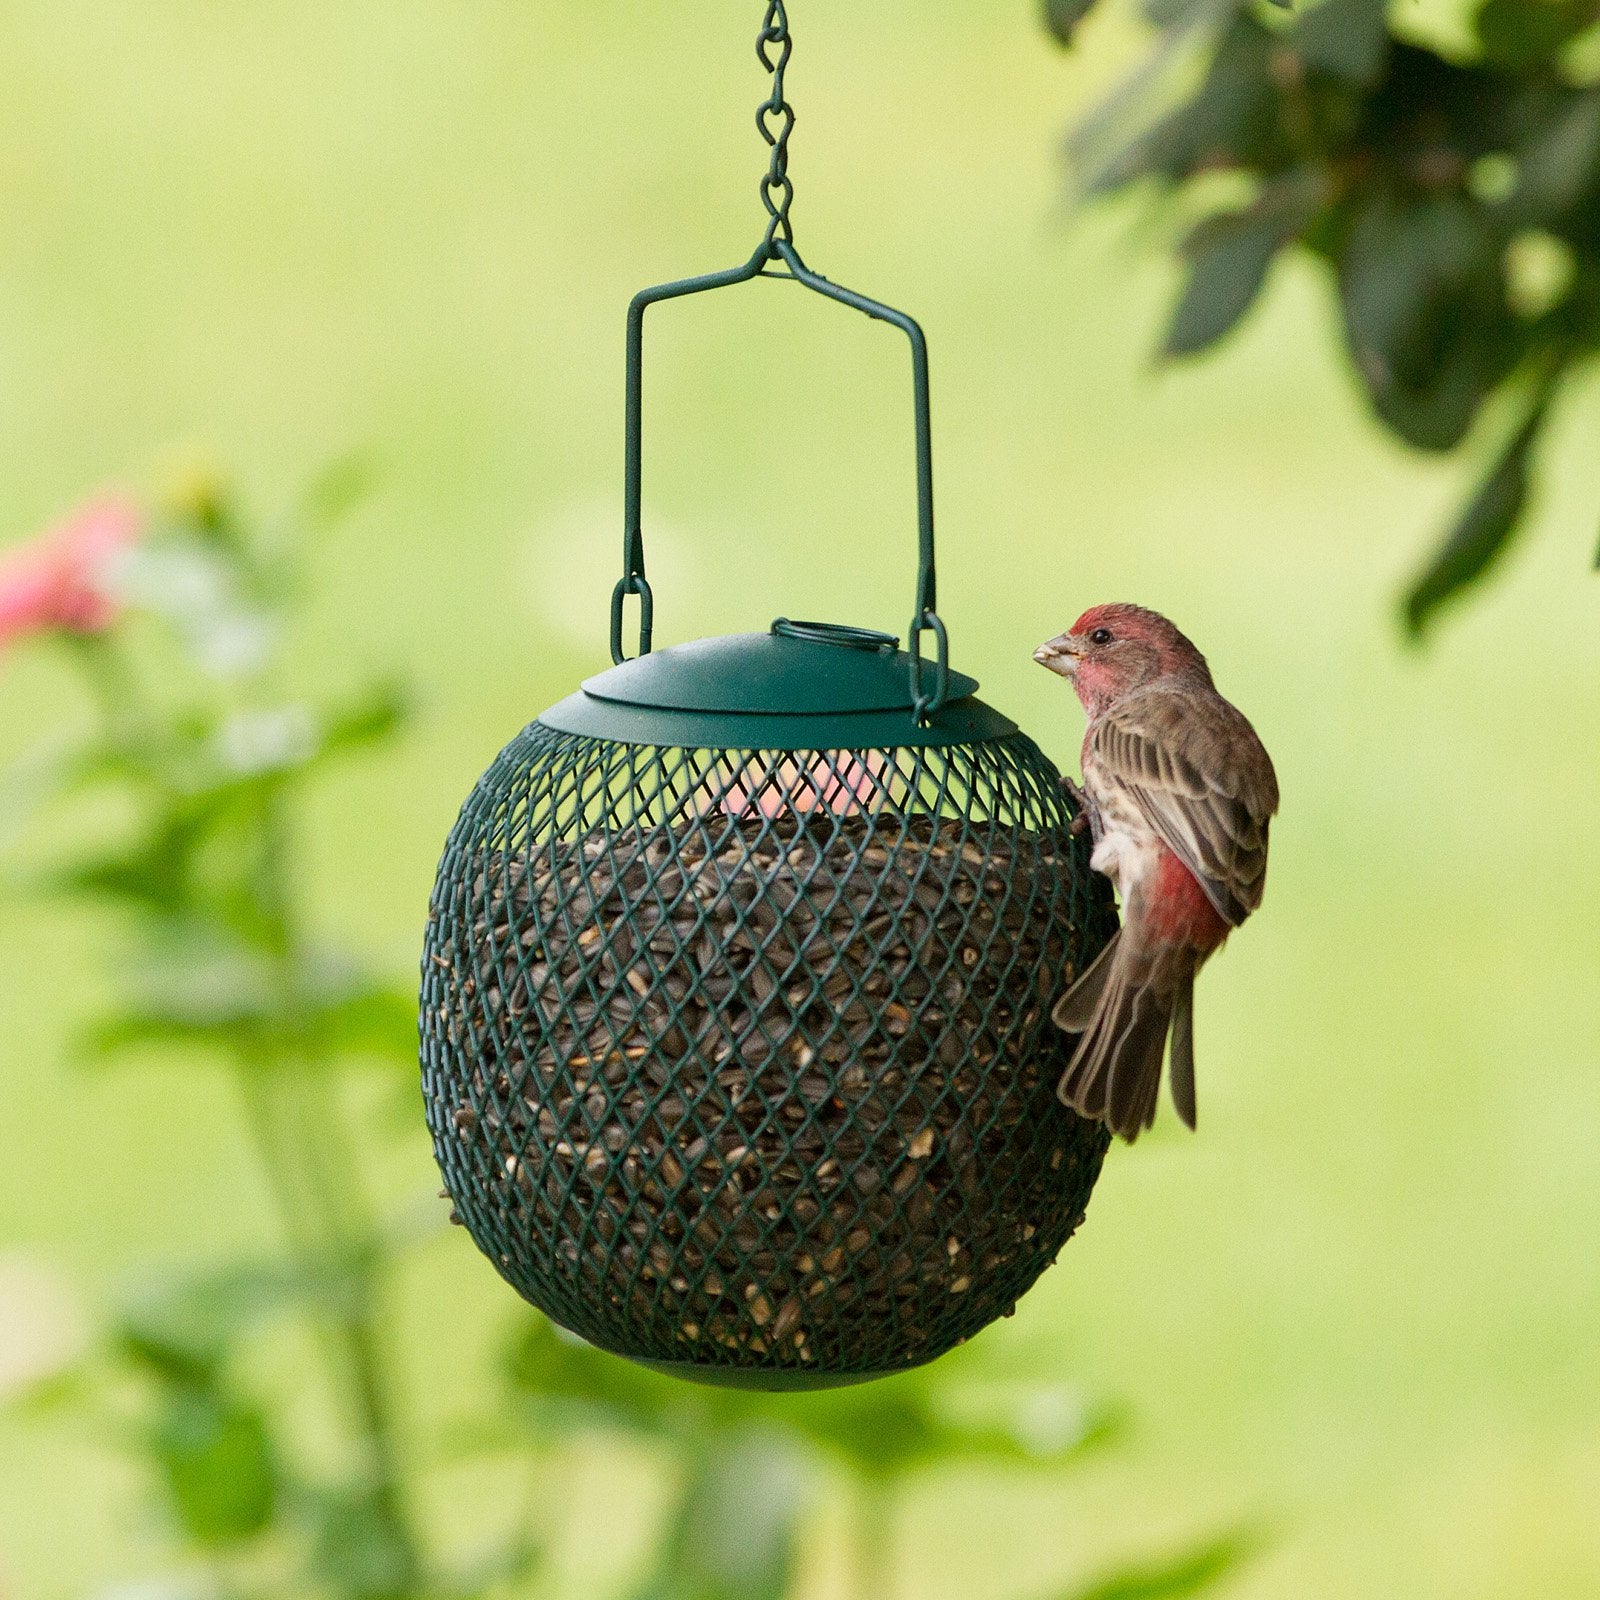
[(735, 1019)]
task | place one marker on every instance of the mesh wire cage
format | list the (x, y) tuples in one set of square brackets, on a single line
[(735, 1016), (738, 1060)]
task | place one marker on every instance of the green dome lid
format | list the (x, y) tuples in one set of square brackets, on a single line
[(802, 686)]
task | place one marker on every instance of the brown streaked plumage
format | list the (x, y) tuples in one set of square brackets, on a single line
[(1180, 794)]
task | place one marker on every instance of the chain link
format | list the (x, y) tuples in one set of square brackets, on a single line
[(775, 119)]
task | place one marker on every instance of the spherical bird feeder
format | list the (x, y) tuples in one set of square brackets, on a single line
[(736, 1035)]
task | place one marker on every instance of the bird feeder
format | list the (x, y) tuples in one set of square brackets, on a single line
[(736, 1038)]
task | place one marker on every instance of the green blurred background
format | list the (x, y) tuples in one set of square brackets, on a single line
[(1362, 1309)]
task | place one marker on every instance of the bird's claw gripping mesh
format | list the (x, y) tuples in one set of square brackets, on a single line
[(742, 1063)]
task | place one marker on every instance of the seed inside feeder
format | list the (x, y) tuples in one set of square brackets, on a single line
[(756, 1079)]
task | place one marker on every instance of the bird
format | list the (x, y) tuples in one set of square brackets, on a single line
[(1179, 793)]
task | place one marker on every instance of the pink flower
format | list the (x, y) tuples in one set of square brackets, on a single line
[(60, 581), (840, 784)]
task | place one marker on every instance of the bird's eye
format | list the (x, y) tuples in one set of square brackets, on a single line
[(1100, 636)]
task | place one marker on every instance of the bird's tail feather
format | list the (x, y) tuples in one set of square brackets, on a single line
[(1123, 1008), (1075, 1009), (1182, 1054)]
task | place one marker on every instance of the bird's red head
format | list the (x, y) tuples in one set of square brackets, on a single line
[(1113, 649)]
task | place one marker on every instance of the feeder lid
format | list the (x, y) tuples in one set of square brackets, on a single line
[(800, 686)]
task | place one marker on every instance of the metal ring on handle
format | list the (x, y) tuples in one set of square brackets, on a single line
[(924, 706), (632, 583)]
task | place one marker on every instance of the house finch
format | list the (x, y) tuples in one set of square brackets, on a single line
[(1179, 793)]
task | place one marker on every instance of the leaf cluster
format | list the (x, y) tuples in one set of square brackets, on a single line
[(1455, 201)]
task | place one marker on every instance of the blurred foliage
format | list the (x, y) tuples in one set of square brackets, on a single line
[(1194, 1572), (747, 1461), (1455, 198), (202, 857), (207, 764)]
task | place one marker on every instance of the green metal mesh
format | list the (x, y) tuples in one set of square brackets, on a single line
[(741, 1062)]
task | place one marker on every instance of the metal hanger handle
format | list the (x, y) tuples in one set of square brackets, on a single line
[(777, 249)]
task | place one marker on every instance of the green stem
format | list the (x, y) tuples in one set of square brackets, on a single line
[(348, 1322), (123, 716), (307, 1145), (301, 1135), (330, 1151), (875, 1539)]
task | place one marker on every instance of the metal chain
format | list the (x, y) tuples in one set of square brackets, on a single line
[(775, 119)]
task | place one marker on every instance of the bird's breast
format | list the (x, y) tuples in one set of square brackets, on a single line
[(1128, 850)]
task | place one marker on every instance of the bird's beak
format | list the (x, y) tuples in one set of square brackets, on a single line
[(1059, 655)]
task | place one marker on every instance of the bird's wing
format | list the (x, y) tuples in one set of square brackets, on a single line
[(1193, 765)]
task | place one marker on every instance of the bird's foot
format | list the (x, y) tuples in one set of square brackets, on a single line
[(1080, 823)]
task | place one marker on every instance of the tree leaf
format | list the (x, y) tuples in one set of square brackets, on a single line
[(1231, 254), (1558, 167), (571, 1386), (1521, 36), (1483, 531), (733, 1534), (1422, 284), (1231, 119), (1347, 39), (1191, 1573), (1411, 142), (335, 491), (183, 1328), (202, 987), (1101, 143), (1439, 416), (1062, 17), (377, 714), (1425, 104), (1403, 255), (217, 1459), (357, 1551), (1178, 13)]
